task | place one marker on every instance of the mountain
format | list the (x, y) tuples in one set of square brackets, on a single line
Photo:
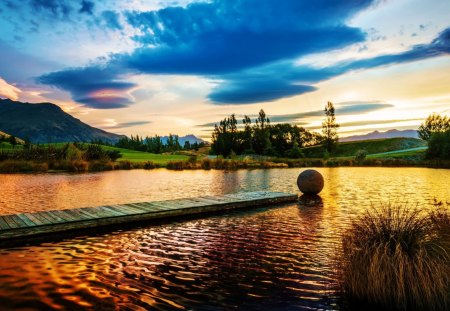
[(182, 139), (46, 122), (378, 135)]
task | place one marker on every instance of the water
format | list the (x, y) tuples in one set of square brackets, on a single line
[(277, 258)]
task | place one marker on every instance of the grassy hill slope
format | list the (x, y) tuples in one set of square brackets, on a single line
[(347, 149)]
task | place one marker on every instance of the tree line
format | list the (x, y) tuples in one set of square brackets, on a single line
[(263, 138), (155, 144)]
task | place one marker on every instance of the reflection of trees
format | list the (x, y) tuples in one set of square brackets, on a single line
[(256, 180)]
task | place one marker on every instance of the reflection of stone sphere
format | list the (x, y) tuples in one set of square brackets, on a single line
[(310, 182)]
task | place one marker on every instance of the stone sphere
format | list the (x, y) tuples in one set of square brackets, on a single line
[(310, 182)]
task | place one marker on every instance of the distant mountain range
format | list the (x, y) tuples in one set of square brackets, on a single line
[(182, 139), (46, 122), (379, 135)]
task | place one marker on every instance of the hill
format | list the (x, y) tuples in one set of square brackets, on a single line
[(347, 149), (379, 135), (46, 122), (182, 139)]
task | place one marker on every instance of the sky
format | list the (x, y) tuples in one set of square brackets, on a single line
[(160, 67)]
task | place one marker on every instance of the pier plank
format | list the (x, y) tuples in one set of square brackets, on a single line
[(26, 220), (37, 219), (10, 221), (128, 208), (3, 224), (51, 222)]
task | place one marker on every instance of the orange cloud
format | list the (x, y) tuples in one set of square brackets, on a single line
[(8, 90)]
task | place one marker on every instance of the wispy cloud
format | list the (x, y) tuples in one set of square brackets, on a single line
[(128, 124), (9, 91), (342, 109)]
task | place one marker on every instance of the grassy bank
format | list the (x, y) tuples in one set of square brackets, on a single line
[(14, 166), (80, 158), (397, 258)]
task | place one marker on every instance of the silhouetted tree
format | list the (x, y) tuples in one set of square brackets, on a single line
[(261, 134), (439, 145), (329, 128), (433, 124)]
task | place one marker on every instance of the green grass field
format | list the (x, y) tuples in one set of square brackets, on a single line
[(130, 155), (139, 156), (349, 149), (8, 146), (399, 154)]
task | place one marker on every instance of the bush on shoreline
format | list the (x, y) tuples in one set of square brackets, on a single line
[(397, 258), (75, 163)]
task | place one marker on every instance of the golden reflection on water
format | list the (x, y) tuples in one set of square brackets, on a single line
[(273, 258), (26, 192)]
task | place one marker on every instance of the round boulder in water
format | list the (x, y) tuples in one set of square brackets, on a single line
[(310, 182)]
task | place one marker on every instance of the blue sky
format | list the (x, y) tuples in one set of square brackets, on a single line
[(153, 67)]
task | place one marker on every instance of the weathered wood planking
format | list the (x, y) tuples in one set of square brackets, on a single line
[(50, 222)]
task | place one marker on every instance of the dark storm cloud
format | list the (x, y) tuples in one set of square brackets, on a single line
[(87, 84), (87, 7), (244, 45)]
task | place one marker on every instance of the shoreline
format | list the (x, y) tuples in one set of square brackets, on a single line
[(19, 166)]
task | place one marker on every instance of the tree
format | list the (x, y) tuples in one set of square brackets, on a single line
[(439, 146), (187, 145), (261, 138), (247, 135), (433, 124), (225, 139), (261, 134), (329, 128)]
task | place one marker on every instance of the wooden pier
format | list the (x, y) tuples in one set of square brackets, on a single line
[(19, 226)]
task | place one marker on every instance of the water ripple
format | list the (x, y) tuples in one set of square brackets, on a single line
[(262, 259)]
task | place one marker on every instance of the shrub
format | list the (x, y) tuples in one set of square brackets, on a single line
[(175, 165), (360, 155), (102, 165), (77, 166), (149, 165), (295, 153), (12, 166), (95, 152), (40, 167), (125, 165), (395, 258), (206, 164), (113, 154), (192, 158), (73, 153), (441, 219)]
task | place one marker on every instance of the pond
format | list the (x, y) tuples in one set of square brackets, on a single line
[(272, 258)]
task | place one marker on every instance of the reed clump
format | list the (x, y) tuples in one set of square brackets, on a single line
[(18, 166), (149, 165), (396, 258)]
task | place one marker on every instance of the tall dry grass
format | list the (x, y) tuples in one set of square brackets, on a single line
[(396, 258)]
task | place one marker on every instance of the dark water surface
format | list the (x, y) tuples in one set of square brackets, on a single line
[(277, 258)]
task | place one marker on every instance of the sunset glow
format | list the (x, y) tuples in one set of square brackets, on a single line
[(158, 67)]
